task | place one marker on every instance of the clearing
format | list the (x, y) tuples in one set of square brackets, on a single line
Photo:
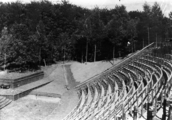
[(44, 107)]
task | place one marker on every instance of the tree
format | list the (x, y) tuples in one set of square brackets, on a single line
[(118, 29), (5, 47)]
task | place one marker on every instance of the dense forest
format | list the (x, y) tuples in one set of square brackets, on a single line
[(39, 33)]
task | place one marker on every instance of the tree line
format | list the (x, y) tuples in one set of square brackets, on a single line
[(39, 33)]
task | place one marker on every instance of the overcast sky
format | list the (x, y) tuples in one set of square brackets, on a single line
[(166, 5)]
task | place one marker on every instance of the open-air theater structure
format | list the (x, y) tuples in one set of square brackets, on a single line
[(138, 87)]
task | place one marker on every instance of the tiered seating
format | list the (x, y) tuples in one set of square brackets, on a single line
[(88, 104), (132, 73), (133, 76), (112, 85), (163, 64), (142, 67), (156, 65), (125, 77), (105, 87), (117, 80), (146, 67), (79, 107), (97, 102), (137, 69), (153, 67), (120, 89), (104, 103)]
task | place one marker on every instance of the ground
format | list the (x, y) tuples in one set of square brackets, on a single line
[(65, 78), (82, 72)]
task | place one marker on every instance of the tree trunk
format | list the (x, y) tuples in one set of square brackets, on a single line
[(169, 113), (113, 54), (39, 56), (156, 40), (82, 58), (86, 51), (5, 61), (95, 53)]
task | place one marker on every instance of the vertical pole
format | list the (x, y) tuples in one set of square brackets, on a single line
[(63, 54), (95, 53), (44, 62), (142, 105), (82, 58), (148, 112), (113, 53), (155, 106)]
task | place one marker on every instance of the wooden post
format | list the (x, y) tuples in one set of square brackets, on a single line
[(135, 113), (45, 62), (169, 113), (123, 112), (5, 61), (148, 105), (155, 106), (164, 109)]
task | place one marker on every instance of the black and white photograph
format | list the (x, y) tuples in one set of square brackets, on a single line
[(85, 59)]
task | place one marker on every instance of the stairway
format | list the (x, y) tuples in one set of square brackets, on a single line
[(4, 102)]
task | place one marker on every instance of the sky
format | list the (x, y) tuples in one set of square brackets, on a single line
[(166, 5)]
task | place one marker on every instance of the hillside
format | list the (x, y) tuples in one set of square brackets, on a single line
[(83, 71)]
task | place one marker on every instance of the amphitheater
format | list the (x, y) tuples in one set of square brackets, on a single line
[(126, 89), (136, 88)]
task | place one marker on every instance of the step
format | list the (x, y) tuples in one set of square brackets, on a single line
[(7, 102), (1, 103), (2, 99)]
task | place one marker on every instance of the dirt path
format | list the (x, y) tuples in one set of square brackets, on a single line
[(69, 76), (57, 86)]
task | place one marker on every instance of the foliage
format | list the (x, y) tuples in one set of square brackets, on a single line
[(40, 33)]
